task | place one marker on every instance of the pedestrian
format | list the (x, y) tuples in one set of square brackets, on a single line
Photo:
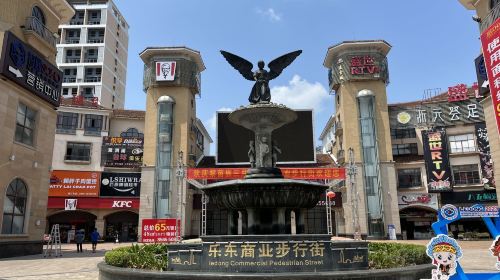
[(94, 236), (79, 236)]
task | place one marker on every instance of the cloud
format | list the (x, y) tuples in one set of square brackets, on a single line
[(300, 94), (270, 14), (212, 122)]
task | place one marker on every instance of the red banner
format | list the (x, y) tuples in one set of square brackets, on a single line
[(66, 183), (159, 230), (95, 203), (288, 173), (490, 41)]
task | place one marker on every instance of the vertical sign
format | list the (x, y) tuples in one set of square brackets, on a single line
[(165, 70), (490, 42), (483, 146), (437, 161)]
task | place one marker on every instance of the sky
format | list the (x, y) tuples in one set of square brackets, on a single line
[(434, 44)]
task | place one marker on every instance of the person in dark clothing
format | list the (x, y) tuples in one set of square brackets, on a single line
[(79, 237), (94, 237)]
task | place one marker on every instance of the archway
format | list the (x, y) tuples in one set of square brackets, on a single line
[(69, 221), (121, 225), (416, 222)]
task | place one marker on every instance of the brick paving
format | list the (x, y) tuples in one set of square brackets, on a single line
[(74, 265)]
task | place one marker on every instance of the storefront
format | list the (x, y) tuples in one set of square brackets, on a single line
[(417, 212), (470, 228)]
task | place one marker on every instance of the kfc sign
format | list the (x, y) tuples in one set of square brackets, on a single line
[(165, 70), (122, 204)]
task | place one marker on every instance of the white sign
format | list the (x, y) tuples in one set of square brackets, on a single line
[(70, 204), (165, 70), (417, 199), (122, 204)]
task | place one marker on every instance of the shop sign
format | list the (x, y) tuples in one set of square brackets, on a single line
[(457, 93), (288, 173), (65, 183), (478, 211), (94, 203), (165, 70), (122, 151), (469, 197), (490, 42), (482, 85), (418, 199), (364, 65), (437, 160), (483, 146), (28, 68), (120, 184), (159, 230), (403, 117)]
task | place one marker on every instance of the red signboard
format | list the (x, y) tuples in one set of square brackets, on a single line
[(159, 230), (288, 173), (457, 93), (490, 41), (66, 183), (95, 203), (361, 65)]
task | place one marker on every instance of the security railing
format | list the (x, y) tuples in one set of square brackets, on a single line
[(35, 25)]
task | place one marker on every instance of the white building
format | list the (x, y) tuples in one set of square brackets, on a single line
[(92, 53)]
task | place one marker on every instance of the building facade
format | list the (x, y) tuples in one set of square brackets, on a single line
[(27, 118), (95, 180), (92, 52)]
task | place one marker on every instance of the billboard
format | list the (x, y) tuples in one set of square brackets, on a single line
[(159, 230), (490, 42), (296, 140), (120, 184), (483, 147), (437, 161), (65, 183), (122, 151)]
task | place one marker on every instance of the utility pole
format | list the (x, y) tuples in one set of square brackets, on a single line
[(352, 171), (179, 172)]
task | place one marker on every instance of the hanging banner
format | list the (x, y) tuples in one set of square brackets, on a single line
[(483, 146), (66, 183), (490, 42), (437, 161), (159, 230), (120, 184), (288, 173)]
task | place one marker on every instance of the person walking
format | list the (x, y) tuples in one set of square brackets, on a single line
[(79, 237), (94, 237)]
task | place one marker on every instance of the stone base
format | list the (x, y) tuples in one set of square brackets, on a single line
[(263, 172), (9, 249)]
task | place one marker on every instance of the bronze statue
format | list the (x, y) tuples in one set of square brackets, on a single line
[(260, 91)]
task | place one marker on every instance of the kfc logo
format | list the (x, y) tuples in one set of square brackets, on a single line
[(122, 204), (165, 71)]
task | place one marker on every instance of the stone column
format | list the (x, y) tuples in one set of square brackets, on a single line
[(281, 220), (293, 222), (240, 223), (252, 221)]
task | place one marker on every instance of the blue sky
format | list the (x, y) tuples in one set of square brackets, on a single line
[(434, 44)]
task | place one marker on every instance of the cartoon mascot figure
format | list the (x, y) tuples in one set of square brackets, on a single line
[(444, 252), (495, 251)]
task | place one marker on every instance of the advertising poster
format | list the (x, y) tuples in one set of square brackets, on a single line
[(483, 147), (120, 184), (437, 161), (122, 151), (159, 230), (64, 183)]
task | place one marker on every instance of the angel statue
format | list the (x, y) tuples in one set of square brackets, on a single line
[(260, 91)]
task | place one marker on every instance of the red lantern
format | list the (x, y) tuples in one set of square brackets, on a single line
[(330, 195)]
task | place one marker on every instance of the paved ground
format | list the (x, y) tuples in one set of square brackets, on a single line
[(74, 265)]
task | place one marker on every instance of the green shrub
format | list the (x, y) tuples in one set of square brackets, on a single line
[(392, 255), (152, 256)]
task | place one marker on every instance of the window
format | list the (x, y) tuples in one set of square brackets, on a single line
[(93, 123), (78, 151), (404, 149), (37, 13), (132, 132), (14, 208), (25, 125), (67, 120), (403, 133), (65, 91), (462, 143), (465, 174), (409, 178)]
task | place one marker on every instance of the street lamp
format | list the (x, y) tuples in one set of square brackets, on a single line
[(179, 172), (352, 171)]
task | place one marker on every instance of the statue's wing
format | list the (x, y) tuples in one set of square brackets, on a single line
[(242, 65), (276, 66)]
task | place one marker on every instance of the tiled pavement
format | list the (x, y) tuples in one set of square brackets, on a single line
[(74, 265)]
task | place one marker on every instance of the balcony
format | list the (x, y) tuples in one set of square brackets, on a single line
[(94, 21), (90, 59), (35, 25), (92, 79), (338, 128), (72, 40), (76, 21), (341, 156), (72, 60), (95, 40), (69, 79), (490, 18)]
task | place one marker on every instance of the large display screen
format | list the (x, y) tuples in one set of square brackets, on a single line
[(296, 140)]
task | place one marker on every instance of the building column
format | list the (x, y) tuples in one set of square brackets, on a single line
[(240, 223), (293, 223)]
